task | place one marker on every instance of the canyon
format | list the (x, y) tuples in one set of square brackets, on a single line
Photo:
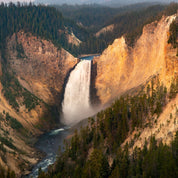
[(43, 70)]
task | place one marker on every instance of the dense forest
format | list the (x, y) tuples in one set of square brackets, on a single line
[(49, 23), (88, 152), (128, 21), (6, 174), (94, 17), (131, 24), (41, 21), (107, 131)]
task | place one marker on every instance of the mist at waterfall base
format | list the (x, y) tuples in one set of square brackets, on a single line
[(76, 105)]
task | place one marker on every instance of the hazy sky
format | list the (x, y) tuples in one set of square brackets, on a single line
[(83, 1), (7, 1)]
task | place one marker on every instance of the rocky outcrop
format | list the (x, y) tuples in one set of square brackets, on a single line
[(171, 64), (40, 66), (106, 29), (164, 128), (42, 69), (121, 68), (72, 39)]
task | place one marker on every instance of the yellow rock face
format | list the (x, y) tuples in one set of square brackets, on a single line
[(121, 68)]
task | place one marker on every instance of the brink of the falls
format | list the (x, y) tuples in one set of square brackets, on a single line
[(76, 103)]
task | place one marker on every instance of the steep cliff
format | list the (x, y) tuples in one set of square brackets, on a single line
[(121, 68), (33, 76), (41, 67)]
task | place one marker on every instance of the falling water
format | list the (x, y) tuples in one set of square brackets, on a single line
[(76, 104)]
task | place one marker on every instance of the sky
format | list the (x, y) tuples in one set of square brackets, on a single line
[(85, 1), (7, 1)]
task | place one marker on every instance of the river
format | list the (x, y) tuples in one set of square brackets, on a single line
[(49, 143), (88, 57)]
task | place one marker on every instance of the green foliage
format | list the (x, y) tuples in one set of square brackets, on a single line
[(6, 173), (91, 16), (42, 21), (171, 9), (128, 22), (20, 50), (173, 89), (39, 20), (30, 100), (2, 148), (94, 16), (7, 142), (48, 23), (132, 23), (88, 151), (173, 37), (175, 148), (12, 90), (97, 166), (174, 26), (13, 122), (158, 161)]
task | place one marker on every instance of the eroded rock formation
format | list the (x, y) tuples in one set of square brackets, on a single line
[(42, 68), (121, 68)]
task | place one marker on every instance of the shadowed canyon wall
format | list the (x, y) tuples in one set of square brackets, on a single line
[(42, 68)]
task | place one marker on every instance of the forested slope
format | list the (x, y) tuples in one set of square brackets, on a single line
[(33, 69), (137, 135), (42, 21), (128, 21), (97, 150), (131, 24), (49, 23)]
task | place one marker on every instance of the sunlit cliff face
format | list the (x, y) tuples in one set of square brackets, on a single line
[(121, 68)]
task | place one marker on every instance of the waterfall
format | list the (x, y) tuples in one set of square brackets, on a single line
[(76, 103)]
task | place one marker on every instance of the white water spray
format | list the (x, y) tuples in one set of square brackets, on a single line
[(76, 103)]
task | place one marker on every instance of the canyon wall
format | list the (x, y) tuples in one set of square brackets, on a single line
[(41, 68), (121, 68)]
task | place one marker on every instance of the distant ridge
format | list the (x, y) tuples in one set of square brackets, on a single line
[(111, 3)]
